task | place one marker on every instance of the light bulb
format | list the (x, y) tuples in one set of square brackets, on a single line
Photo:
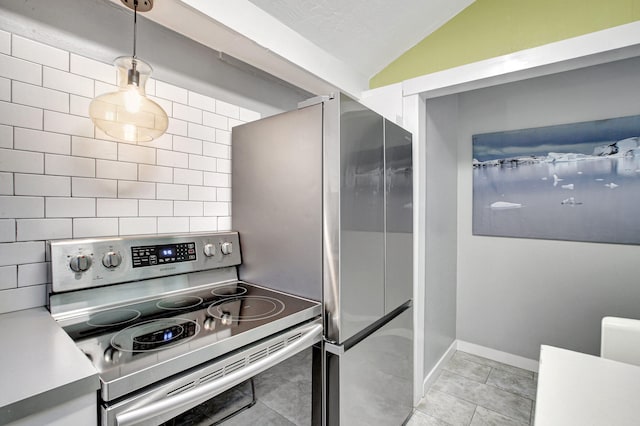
[(132, 99)]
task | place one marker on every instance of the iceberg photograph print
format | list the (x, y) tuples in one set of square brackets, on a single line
[(573, 182)]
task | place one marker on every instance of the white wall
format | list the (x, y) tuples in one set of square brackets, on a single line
[(62, 178), (515, 294), (441, 223)]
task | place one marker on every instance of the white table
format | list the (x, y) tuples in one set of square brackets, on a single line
[(586, 390)]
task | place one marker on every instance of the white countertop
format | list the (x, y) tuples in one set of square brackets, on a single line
[(40, 365), (586, 390)]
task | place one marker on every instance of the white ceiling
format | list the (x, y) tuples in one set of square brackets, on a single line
[(318, 45)]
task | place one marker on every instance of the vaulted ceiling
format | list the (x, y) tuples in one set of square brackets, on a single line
[(318, 45)]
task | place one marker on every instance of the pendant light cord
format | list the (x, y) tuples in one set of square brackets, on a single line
[(135, 20)]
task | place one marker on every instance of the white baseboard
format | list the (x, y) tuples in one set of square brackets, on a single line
[(496, 355), (435, 371)]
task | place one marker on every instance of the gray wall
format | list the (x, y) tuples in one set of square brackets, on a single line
[(515, 294), (102, 30), (441, 205)]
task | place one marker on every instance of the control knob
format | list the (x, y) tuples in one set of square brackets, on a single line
[(112, 259), (80, 263), (226, 248), (209, 249)]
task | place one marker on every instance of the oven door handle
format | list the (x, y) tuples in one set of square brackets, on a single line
[(311, 335)]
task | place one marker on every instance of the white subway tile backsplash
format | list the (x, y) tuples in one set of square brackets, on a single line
[(66, 165), (133, 189), (12, 160), (198, 162), (223, 137), (136, 154), (155, 208), (95, 227), (67, 82), (163, 142), (172, 192), (150, 87), (218, 150), (107, 169), (88, 187), (40, 53), (36, 140), (60, 177), (172, 159), (93, 69), (178, 127), (19, 69), (20, 115), (53, 186), (22, 252), (18, 207), (215, 120), (113, 207), (187, 177), (216, 208), (150, 173), (6, 183), (94, 148), (201, 101), (224, 223), (6, 136), (171, 92), (9, 276), (187, 208), (79, 105), (43, 229), (7, 231), (223, 194), (138, 225), (182, 144), (247, 115), (228, 110), (33, 274), (68, 124), (70, 207), (203, 224), (187, 113), (173, 224), (40, 97), (5, 42), (223, 166), (5, 89), (16, 299), (198, 131), (202, 193), (221, 180)]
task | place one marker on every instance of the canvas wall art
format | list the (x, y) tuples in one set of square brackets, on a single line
[(576, 182)]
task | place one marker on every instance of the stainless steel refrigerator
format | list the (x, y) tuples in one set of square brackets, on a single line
[(322, 198)]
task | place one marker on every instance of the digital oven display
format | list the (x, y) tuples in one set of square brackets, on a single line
[(159, 255)]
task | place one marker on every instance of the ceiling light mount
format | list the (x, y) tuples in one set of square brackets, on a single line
[(139, 5)]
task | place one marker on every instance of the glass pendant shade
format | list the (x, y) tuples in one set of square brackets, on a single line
[(128, 114)]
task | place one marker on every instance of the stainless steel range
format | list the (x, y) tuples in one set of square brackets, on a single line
[(167, 323)]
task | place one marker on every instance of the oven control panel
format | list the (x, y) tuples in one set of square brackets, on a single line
[(87, 263)]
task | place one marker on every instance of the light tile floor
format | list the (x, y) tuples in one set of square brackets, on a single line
[(475, 391)]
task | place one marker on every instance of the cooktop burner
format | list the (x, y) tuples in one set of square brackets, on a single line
[(229, 290), (246, 308), (179, 303), (113, 318)]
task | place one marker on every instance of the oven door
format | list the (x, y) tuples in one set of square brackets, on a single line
[(270, 373)]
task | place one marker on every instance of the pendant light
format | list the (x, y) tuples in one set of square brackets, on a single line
[(128, 114)]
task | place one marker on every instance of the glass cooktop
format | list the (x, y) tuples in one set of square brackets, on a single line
[(164, 335)]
